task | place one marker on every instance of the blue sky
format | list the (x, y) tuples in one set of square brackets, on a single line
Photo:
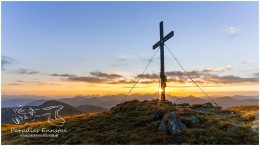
[(81, 37)]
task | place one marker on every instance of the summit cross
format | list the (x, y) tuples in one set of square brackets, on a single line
[(161, 44)]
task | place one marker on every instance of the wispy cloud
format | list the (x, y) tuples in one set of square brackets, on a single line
[(94, 77), (63, 75), (246, 62), (105, 75), (232, 30), (148, 76), (256, 74), (136, 58), (26, 71), (86, 79), (200, 76), (15, 84), (229, 79), (31, 82), (218, 69), (5, 60)]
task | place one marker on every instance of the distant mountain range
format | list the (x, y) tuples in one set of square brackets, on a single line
[(221, 101), (109, 101), (79, 101)]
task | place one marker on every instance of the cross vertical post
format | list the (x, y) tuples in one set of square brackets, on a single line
[(162, 72)]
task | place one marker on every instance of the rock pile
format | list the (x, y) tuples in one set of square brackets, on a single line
[(167, 122)]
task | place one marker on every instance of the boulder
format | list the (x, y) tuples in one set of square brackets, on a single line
[(162, 126), (192, 119), (157, 114), (172, 123), (167, 122)]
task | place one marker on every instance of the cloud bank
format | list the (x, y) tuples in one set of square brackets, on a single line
[(200, 76)]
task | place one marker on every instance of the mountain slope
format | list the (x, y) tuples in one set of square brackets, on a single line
[(133, 122), (190, 100), (36, 102), (66, 110), (229, 101), (79, 100), (90, 108), (245, 109)]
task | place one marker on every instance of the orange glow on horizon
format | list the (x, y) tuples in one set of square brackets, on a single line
[(174, 89)]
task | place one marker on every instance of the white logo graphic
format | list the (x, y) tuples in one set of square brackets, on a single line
[(27, 114)]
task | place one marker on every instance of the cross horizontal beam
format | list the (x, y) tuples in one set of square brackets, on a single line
[(168, 36)]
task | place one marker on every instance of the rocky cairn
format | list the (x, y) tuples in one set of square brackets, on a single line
[(167, 122)]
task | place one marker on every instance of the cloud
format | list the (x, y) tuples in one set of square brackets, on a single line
[(224, 68), (105, 75), (86, 79), (5, 60), (22, 82), (106, 78), (136, 58), (26, 71), (54, 84), (62, 75), (132, 82), (32, 82), (94, 77), (98, 80), (148, 76), (229, 79), (232, 30), (124, 58), (15, 84), (192, 73), (19, 81), (123, 82), (198, 76), (201, 77), (256, 74), (246, 62), (218, 69)]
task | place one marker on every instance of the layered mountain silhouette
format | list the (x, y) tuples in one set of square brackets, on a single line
[(109, 101)]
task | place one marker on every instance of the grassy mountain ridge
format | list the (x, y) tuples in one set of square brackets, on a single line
[(245, 110), (131, 123)]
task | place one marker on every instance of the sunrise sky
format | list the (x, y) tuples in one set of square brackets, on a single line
[(99, 48)]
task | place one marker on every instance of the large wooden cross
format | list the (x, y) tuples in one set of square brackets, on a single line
[(161, 44)]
